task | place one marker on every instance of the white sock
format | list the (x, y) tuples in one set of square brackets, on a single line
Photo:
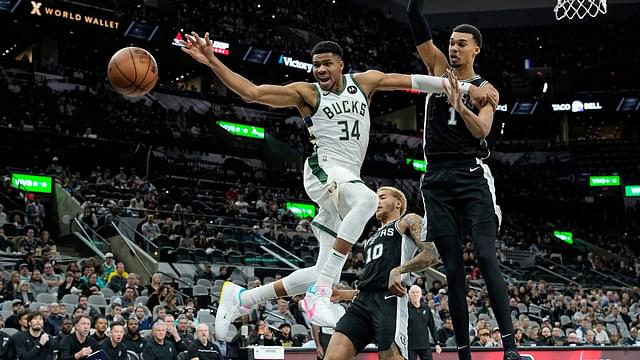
[(331, 269), (257, 295)]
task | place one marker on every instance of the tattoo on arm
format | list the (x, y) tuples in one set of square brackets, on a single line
[(428, 255)]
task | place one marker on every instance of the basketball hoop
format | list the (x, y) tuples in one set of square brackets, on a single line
[(580, 8)]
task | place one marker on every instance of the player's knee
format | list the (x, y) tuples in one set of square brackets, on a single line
[(369, 201)]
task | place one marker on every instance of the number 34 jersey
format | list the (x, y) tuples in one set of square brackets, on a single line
[(385, 250), (339, 128)]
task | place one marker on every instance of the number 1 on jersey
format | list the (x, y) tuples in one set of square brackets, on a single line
[(452, 117)]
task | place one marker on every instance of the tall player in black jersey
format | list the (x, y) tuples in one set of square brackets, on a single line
[(378, 314), (458, 188)]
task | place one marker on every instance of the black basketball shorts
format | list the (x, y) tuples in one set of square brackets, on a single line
[(376, 317)]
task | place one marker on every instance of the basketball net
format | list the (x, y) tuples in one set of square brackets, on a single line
[(579, 8)]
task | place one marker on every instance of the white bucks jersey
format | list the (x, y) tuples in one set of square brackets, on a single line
[(339, 128)]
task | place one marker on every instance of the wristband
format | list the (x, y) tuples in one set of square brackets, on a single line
[(417, 22), (427, 83)]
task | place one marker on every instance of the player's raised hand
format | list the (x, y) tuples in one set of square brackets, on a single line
[(199, 48), (452, 89)]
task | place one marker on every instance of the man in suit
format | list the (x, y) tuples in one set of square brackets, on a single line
[(421, 323)]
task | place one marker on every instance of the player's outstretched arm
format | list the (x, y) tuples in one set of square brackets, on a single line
[(435, 61), (374, 80), (292, 95), (411, 224), (479, 125)]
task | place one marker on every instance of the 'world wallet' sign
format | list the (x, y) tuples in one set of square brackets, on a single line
[(39, 8)]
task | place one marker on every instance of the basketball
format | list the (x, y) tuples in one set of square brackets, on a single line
[(132, 71)]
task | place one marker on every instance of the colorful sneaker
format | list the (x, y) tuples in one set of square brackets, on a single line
[(318, 308), (228, 308)]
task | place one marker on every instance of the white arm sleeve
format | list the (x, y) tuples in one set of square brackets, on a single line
[(427, 83)]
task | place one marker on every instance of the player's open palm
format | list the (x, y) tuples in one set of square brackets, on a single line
[(199, 48), (452, 88)]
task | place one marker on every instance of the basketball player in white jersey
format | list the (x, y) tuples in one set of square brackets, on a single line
[(336, 111)]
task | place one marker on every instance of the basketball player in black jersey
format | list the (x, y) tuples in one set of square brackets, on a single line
[(378, 314), (458, 188)]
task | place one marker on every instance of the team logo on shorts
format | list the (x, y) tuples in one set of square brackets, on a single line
[(352, 89)]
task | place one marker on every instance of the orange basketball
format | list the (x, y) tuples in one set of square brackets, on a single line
[(132, 71)]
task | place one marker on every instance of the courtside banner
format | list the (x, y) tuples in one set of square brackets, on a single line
[(532, 353)]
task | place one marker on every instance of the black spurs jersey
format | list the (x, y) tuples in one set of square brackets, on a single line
[(385, 250), (446, 136)]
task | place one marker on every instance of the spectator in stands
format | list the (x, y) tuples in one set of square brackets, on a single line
[(184, 330), (203, 348), (17, 307), (284, 338), (154, 284), (545, 338), (12, 286), (157, 297), (54, 320), (602, 338), (134, 282), (89, 218), (3, 216), (484, 339), (117, 280), (157, 348), (150, 229), (633, 338), (128, 297), (23, 320), (132, 340), (35, 212), (78, 345), (115, 312), (2, 296), (4, 241), (37, 284), (283, 312), (53, 280), (144, 321), (558, 338), (100, 326), (67, 286), (108, 266), (170, 303), (33, 343), (83, 303), (519, 338), (572, 339), (65, 329), (262, 335), (24, 293), (585, 325), (113, 346), (29, 242), (590, 338), (87, 270), (159, 312), (446, 331), (5, 345), (91, 287), (137, 202), (46, 242)]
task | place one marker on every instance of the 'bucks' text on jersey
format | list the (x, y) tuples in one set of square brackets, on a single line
[(339, 128)]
